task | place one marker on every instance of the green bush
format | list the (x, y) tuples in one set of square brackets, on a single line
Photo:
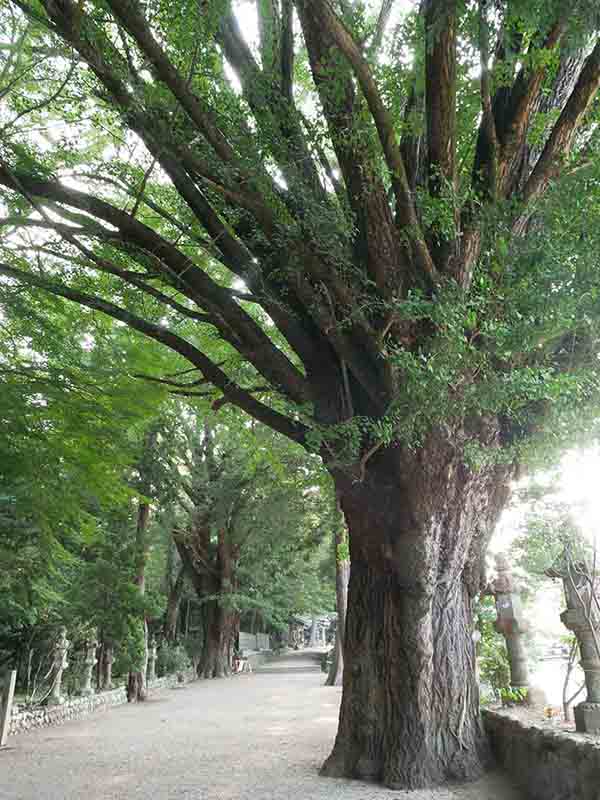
[(172, 658), (494, 669)]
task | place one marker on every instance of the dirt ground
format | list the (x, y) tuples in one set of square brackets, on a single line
[(253, 737)]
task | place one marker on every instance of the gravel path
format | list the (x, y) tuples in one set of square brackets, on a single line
[(254, 737)]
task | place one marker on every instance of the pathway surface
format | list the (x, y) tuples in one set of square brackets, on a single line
[(253, 737)]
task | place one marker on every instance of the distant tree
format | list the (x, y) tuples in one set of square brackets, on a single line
[(237, 501)]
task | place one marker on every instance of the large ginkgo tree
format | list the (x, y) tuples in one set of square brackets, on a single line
[(371, 226)]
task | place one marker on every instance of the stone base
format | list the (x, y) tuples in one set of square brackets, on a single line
[(587, 718), (55, 701)]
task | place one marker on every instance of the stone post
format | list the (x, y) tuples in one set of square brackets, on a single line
[(61, 648), (89, 664), (582, 618), (7, 692), (510, 621), (107, 662), (151, 671)]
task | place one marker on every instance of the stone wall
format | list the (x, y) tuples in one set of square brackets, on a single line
[(25, 719), (548, 764), (254, 641)]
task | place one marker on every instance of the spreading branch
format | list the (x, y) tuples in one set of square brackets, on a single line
[(236, 395)]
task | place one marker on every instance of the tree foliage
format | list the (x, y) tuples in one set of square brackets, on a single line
[(373, 207)]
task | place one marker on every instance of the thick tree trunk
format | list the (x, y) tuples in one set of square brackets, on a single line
[(221, 618), (342, 577), (418, 527), (220, 631)]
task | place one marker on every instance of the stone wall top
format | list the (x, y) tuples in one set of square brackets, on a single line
[(548, 763), (24, 719)]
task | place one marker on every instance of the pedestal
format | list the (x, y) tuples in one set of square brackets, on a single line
[(587, 718)]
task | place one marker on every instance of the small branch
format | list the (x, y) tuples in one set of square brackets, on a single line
[(142, 188)]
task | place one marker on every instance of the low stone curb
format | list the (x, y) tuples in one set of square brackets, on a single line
[(548, 764), (24, 719)]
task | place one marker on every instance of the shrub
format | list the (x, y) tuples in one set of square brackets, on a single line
[(172, 658)]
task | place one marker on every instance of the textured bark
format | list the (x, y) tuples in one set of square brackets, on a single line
[(418, 528), (221, 628)]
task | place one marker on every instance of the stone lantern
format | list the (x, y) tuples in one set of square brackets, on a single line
[(89, 664), (151, 671), (510, 621), (581, 616)]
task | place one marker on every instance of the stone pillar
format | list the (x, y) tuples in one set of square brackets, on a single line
[(7, 693), (510, 621), (582, 618), (151, 671), (106, 671), (61, 649), (89, 664)]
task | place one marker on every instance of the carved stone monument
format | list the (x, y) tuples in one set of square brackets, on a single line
[(583, 618), (61, 649), (89, 664), (510, 621), (151, 671)]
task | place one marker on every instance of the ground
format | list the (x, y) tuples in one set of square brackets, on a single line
[(259, 737)]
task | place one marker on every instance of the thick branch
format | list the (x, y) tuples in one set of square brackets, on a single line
[(287, 49), (440, 92), (560, 141), (405, 208), (130, 15), (209, 369), (250, 339), (488, 123)]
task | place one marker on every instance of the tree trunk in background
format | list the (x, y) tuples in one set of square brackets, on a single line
[(136, 682), (342, 577), (221, 617), (313, 634), (173, 603), (418, 525), (220, 632)]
